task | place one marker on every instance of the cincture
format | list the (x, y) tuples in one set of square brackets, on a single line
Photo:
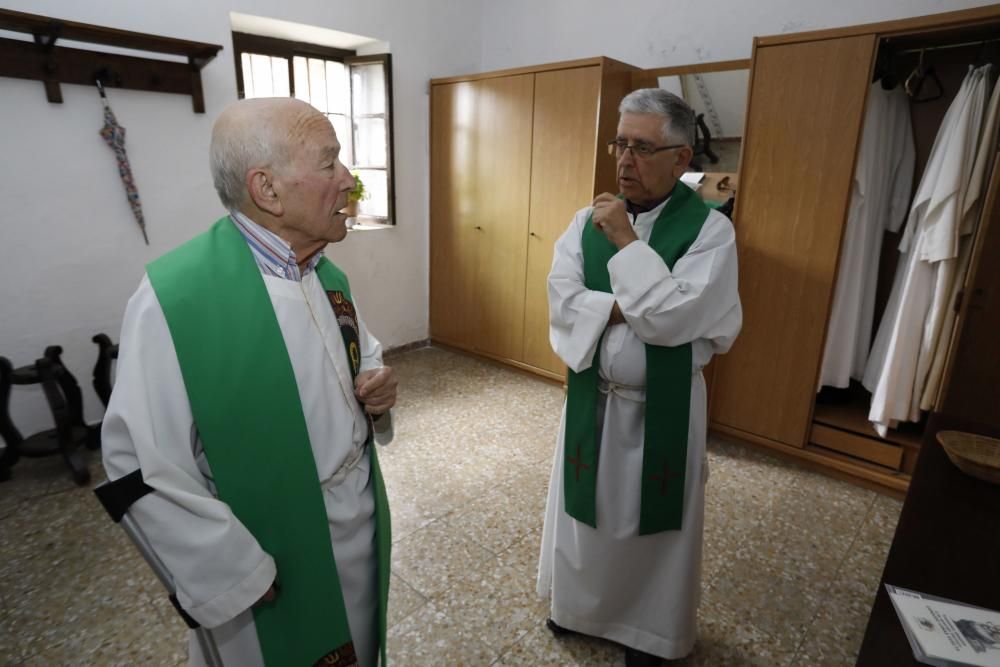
[(337, 478), (626, 391)]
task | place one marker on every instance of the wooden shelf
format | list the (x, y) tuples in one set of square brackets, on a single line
[(42, 60), (853, 417)]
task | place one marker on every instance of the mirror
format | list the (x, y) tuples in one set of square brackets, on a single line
[(719, 99), (718, 94)]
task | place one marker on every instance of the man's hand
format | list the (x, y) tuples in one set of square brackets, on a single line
[(268, 596), (610, 217), (616, 316), (376, 389)]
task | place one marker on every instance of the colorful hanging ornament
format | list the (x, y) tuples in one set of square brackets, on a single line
[(114, 135)]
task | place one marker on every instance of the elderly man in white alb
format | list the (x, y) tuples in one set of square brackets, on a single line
[(248, 393), (642, 293)]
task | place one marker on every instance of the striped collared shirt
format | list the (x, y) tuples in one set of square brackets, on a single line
[(273, 255)]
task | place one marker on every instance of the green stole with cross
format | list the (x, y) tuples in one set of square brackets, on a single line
[(245, 401), (668, 387)]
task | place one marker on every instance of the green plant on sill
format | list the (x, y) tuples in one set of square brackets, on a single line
[(359, 192)]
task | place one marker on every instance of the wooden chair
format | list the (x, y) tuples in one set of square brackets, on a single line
[(62, 392)]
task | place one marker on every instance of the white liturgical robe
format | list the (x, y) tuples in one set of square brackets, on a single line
[(879, 201), (219, 568), (640, 591), (972, 207), (904, 348)]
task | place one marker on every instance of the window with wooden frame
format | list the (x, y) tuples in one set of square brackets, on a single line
[(354, 92)]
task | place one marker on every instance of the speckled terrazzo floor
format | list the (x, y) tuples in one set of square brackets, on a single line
[(792, 558)]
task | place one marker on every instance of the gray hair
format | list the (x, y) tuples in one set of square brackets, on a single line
[(679, 118), (238, 147)]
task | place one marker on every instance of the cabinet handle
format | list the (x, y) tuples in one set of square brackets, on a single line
[(478, 227), (533, 234)]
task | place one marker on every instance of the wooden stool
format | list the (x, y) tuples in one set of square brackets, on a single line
[(66, 403)]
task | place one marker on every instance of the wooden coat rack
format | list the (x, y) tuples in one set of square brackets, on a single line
[(42, 60)]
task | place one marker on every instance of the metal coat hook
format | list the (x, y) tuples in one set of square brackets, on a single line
[(100, 89), (100, 76)]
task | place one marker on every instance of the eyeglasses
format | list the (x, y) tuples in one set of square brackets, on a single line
[(618, 147)]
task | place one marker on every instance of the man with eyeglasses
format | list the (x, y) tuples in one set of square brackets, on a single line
[(642, 293)]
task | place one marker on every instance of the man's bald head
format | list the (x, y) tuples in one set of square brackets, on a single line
[(254, 133)]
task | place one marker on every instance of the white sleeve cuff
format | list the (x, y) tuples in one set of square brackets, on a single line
[(577, 351), (383, 428), (635, 270), (228, 605)]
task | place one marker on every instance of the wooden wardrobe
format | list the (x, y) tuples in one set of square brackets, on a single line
[(803, 126), (514, 154)]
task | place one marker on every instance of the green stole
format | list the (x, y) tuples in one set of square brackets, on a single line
[(245, 402), (668, 387)]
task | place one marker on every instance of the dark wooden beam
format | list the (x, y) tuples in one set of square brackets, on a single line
[(94, 34), (42, 60), (22, 60)]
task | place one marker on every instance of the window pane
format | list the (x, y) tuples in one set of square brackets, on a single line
[(263, 85), (338, 88), (317, 84), (279, 72), (369, 88), (370, 143), (342, 125), (300, 71), (247, 75), (377, 203)]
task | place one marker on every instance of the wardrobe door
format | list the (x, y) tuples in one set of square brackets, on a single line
[(502, 183), (971, 392), (562, 180), (802, 130), (452, 215), (480, 179)]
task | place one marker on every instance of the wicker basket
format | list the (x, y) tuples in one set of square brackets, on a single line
[(975, 455)]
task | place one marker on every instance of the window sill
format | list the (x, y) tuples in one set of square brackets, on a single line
[(362, 224)]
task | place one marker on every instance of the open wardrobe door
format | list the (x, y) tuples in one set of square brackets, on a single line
[(803, 123), (973, 371)]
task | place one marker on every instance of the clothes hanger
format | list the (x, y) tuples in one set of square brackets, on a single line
[(981, 53), (931, 76), (915, 82), (916, 77)]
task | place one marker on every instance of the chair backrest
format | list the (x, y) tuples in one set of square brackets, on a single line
[(107, 352), (8, 432)]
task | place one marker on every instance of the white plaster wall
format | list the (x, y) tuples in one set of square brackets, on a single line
[(70, 252), (661, 33)]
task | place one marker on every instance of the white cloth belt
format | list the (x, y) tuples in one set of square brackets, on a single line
[(629, 392), (626, 391), (337, 478)]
